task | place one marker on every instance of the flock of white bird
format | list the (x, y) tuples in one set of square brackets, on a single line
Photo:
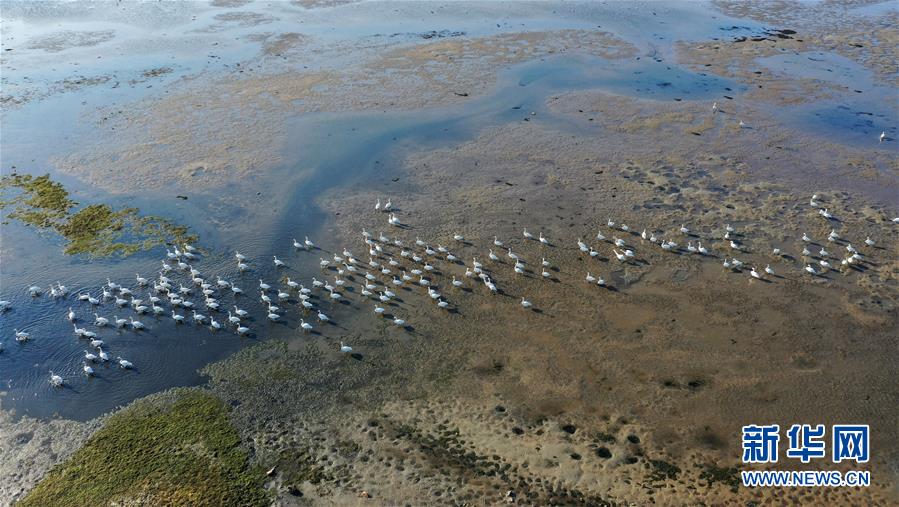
[(391, 265)]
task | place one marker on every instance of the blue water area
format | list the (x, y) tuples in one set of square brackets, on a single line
[(862, 107)]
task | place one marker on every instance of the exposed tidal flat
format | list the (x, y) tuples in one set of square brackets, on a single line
[(249, 127)]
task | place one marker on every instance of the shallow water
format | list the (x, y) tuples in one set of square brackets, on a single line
[(328, 151)]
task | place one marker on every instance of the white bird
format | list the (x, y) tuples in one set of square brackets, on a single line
[(497, 242), (273, 316), (805, 237), (525, 303), (263, 285), (458, 237), (309, 244), (305, 326), (278, 262), (103, 355), (684, 229), (869, 241), (95, 343), (89, 356), (100, 321), (120, 322), (493, 256), (754, 273), (136, 324), (883, 135), (527, 235), (590, 278), (297, 244), (214, 324), (610, 223), (71, 315), (34, 290), (21, 336), (620, 256), (233, 319), (769, 270), (141, 280), (322, 317), (809, 269), (399, 322), (124, 363), (345, 349), (715, 107), (379, 310), (600, 236), (242, 330), (56, 380), (543, 239), (456, 283), (199, 318), (87, 370)]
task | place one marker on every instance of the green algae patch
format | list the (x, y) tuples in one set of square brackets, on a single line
[(176, 449), (97, 230), (41, 202)]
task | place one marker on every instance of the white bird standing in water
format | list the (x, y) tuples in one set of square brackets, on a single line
[(883, 135)]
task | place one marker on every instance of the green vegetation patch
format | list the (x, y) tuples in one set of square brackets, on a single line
[(729, 476), (662, 470), (96, 230), (159, 452)]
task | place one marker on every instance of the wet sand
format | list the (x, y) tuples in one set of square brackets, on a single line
[(629, 394)]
